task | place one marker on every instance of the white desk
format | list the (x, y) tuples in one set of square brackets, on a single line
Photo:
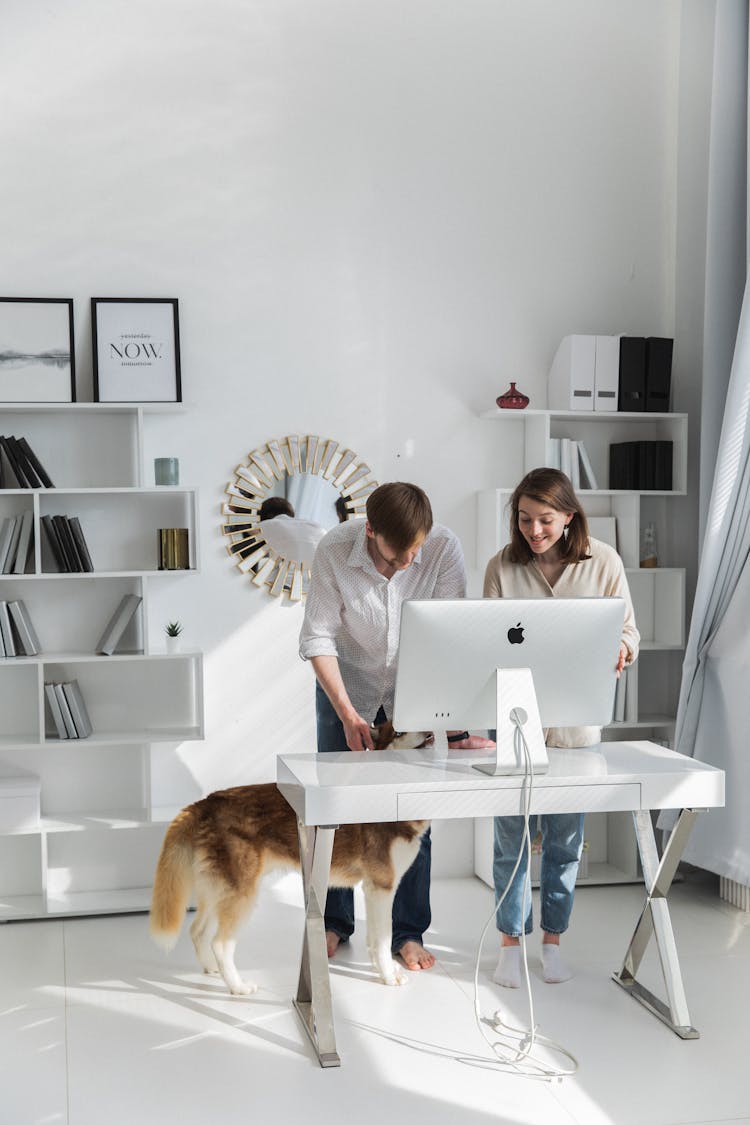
[(326, 790)]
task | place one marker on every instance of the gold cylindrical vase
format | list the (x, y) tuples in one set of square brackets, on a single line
[(174, 548)]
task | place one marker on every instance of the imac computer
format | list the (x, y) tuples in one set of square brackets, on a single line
[(498, 662)]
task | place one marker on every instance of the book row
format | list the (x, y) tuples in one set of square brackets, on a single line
[(67, 543), (68, 709), (19, 465), (572, 459), (611, 373), (16, 542), (641, 465), (17, 634)]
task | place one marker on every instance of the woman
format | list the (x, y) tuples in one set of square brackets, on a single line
[(550, 555)]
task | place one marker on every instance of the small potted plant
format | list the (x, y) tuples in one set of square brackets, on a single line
[(172, 631)]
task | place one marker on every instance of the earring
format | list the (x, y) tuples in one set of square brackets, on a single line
[(566, 529)]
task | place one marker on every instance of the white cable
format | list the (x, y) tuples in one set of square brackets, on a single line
[(514, 1050)]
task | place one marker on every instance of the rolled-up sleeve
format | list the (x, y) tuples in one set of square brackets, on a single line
[(323, 609)]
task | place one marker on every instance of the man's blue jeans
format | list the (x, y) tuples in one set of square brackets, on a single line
[(411, 906), (562, 842)]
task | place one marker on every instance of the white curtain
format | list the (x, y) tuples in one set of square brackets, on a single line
[(713, 717)]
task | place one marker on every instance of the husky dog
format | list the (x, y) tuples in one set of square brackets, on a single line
[(220, 847)]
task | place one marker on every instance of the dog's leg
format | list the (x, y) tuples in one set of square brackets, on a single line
[(379, 906), (199, 932), (230, 914)]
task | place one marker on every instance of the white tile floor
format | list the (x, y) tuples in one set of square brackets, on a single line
[(97, 1026)]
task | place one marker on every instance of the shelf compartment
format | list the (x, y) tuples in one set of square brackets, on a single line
[(658, 595)]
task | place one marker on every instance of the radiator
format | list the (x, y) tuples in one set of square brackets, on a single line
[(736, 893)]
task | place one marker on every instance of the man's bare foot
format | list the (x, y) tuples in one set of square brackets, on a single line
[(415, 956), (333, 941)]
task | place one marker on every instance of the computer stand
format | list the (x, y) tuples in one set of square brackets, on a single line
[(516, 697)]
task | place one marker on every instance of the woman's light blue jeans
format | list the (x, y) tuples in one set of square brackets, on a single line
[(411, 906), (562, 843)]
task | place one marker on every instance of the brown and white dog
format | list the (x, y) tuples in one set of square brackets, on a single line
[(220, 847)]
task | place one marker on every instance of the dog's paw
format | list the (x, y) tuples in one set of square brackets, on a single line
[(243, 988), (394, 975)]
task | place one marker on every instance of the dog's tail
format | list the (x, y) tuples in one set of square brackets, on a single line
[(173, 882)]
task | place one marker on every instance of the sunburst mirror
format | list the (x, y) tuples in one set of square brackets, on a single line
[(313, 474)]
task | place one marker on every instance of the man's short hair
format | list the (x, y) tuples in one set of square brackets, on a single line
[(275, 506), (400, 513)]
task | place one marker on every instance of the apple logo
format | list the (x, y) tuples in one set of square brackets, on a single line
[(515, 636)]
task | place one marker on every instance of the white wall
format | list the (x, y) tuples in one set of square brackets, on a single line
[(374, 213)]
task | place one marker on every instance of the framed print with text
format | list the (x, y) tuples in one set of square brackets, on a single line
[(136, 349), (37, 362)]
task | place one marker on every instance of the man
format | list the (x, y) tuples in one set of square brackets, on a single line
[(362, 573)]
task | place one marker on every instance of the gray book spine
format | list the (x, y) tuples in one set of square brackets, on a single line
[(6, 536), (10, 557), (7, 633), (54, 706), (24, 541), (77, 708), (25, 630), (117, 624), (64, 707)]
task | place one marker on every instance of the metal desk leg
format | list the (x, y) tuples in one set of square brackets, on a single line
[(655, 920), (313, 1001)]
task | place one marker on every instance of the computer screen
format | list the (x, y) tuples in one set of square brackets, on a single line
[(450, 650)]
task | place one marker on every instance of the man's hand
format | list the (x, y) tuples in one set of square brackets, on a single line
[(357, 731), (473, 742)]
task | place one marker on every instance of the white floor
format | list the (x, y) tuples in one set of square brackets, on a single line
[(98, 1026)]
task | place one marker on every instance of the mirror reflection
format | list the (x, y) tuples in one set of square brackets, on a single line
[(283, 500)]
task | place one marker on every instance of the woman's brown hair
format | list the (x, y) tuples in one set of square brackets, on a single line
[(552, 488)]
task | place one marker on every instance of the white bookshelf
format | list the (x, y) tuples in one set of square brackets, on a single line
[(95, 845), (658, 593)]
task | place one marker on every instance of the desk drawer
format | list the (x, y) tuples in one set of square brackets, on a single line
[(446, 804)]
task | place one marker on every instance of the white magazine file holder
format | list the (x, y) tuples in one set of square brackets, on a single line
[(515, 692)]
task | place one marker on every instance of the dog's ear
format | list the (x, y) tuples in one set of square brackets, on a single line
[(382, 736)]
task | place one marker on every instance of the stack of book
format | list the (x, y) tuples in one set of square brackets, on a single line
[(17, 635), (16, 542), (68, 710), (641, 466), (67, 543), (572, 459), (19, 465), (610, 373)]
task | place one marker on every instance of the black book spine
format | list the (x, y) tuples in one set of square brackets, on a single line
[(12, 461), (32, 480), (54, 542), (68, 543), (80, 543), (658, 373), (663, 465), (35, 463), (632, 384)]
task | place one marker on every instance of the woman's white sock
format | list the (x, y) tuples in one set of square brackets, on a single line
[(508, 969), (554, 969)]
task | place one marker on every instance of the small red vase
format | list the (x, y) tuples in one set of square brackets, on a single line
[(513, 399)]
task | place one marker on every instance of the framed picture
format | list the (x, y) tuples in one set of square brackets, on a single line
[(37, 362), (136, 349)]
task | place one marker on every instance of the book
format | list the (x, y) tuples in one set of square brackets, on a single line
[(117, 624), (24, 542), (80, 542), (66, 712), (575, 471), (553, 453), (632, 375), (25, 632), (570, 383), (658, 373), (16, 470), (54, 542), (9, 643), (6, 536), (34, 461), (606, 372), (65, 537), (32, 481), (54, 707), (588, 479), (565, 457), (77, 708), (10, 557), (620, 692)]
